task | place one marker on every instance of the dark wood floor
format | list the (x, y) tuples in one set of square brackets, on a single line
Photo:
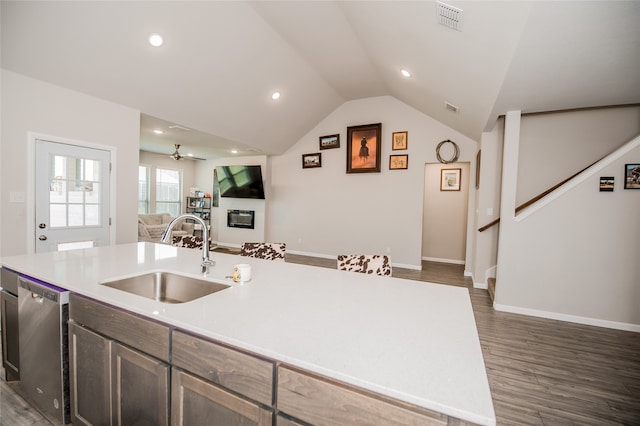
[(541, 372)]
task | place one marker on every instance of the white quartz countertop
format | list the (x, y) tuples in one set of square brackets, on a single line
[(409, 340)]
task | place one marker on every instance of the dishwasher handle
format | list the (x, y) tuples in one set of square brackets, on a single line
[(37, 298)]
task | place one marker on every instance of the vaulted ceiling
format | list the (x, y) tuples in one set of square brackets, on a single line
[(221, 61)]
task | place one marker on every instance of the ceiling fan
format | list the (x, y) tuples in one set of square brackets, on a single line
[(177, 156)]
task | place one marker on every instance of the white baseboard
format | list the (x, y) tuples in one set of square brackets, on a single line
[(436, 259), (305, 253), (483, 286), (568, 318)]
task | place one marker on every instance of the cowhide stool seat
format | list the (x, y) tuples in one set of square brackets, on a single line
[(269, 251), (365, 263), (188, 241)]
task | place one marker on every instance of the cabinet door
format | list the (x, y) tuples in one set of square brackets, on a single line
[(140, 388), (197, 402), (89, 377), (318, 401), (10, 336)]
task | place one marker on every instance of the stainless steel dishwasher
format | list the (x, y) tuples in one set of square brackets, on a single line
[(43, 313)]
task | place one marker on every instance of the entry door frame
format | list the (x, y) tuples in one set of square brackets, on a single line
[(31, 182)]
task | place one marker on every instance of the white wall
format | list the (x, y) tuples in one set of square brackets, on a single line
[(325, 211), (566, 142), (484, 252), (30, 105), (572, 256), (444, 234)]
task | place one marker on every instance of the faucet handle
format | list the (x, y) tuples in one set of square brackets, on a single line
[(206, 264)]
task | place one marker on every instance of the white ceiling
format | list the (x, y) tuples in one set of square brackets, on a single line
[(222, 60)]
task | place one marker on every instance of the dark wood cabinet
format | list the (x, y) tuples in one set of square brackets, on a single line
[(10, 326), (233, 387), (240, 372), (110, 381), (317, 400), (140, 388), (89, 376)]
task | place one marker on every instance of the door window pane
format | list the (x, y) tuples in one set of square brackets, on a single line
[(76, 194), (58, 215), (91, 170), (57, 191), (92, 192), (92, 215), (76, 215)]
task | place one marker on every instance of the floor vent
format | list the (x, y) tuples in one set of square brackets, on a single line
[(449, 16), (451, 107)]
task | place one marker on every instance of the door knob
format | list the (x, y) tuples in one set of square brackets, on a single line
[(42, 237), (42, 225)]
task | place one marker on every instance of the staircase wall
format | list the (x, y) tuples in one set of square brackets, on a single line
[(573, 255)]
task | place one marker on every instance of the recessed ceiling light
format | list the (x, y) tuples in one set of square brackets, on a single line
[(158, 132), (155, 40), (234, 151), (405, 73), (275, 95)]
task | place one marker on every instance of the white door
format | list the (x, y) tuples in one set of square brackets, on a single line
[(72, 196)]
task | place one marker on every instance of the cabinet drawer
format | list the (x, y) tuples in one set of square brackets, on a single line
[(285, 421), (143, 334), (237, 371), (196, 402), (321, 402)]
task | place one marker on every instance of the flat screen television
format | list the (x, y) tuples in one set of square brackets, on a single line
[(240, 181)]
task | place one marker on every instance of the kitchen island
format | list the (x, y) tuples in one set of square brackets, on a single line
[(409, 341)]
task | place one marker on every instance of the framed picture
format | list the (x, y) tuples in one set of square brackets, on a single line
[(363, 148), (399, 140), (478, 157), (311, 160), (450, 179), (632, 176), (330, 141), (606, 183), (398, 162)]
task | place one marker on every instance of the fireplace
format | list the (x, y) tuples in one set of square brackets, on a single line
[(241, 219)]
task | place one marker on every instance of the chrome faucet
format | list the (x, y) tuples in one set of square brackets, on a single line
[(166, 238)]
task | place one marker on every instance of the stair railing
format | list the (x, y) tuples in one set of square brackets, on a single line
[(537, 197)]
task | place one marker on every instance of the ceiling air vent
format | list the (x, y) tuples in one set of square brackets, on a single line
[(180, 128), (449, 16), (451, 107)]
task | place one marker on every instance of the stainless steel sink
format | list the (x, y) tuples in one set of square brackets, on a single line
[(166, 287)]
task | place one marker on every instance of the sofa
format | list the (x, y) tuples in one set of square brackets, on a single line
[(151, 226)]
